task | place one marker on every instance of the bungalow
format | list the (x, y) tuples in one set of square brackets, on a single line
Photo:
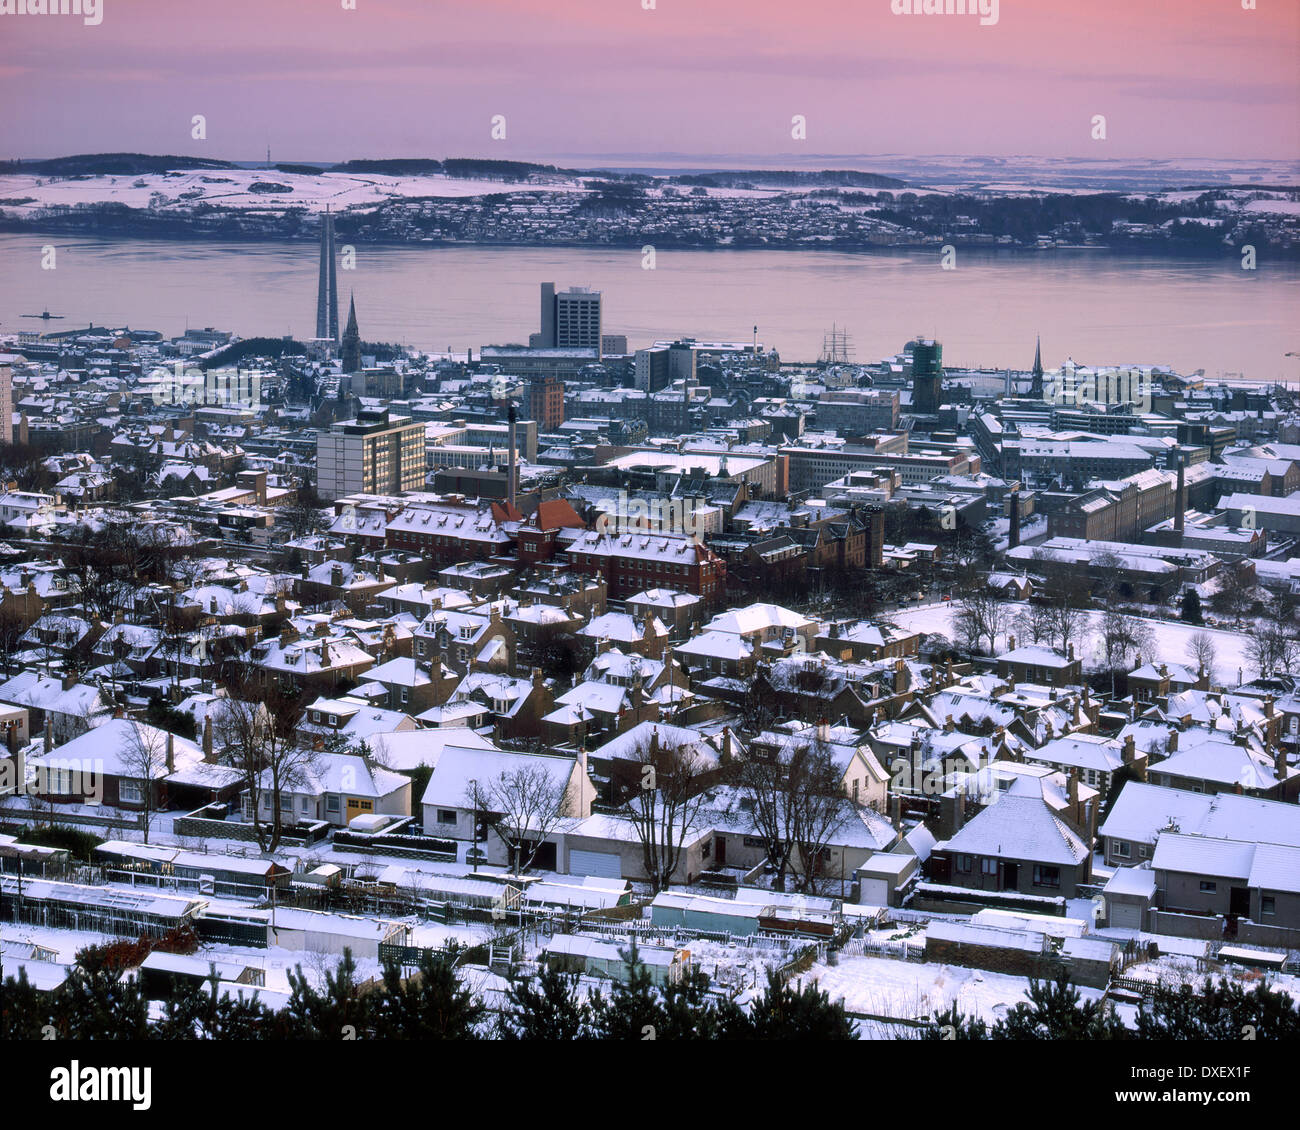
[(463, 775), (1017, 844), (1143, 811), (335, 788), (1200, 875)]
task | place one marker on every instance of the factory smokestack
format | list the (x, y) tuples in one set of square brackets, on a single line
[(1013, 536), (1180, 500), (510, 469)]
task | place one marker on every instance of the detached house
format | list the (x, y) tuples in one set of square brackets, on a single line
[(335, 788), (1017, 844)]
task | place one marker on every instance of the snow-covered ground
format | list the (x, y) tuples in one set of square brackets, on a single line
[(882, 986), (1171, 638), (231, 188)]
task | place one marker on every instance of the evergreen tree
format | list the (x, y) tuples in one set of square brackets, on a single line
[(1190, 609), (1222, 1011), (807, 1013), (431, 1004), (22, 1012), (1054, 1011), (95, 1003), (546, 1008), (338, 1012)]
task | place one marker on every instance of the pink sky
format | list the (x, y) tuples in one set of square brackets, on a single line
[(1174, 78)]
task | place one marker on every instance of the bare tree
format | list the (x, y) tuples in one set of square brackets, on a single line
[(980, 616), (523, 807), (1272, 648), (1105, 566), (817, 806), (797, 804), (144, 753), (1201, 651), (666, 804), (1123, 636), (1069, 624), (1234, 594), (260, 741), (1035, 623)]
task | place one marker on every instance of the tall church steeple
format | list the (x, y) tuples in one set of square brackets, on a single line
[(1036, 385), (327, 289), (352, 340)]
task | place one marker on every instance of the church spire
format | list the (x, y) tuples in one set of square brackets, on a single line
[(351, 351), (327, 290), (1036, 385)]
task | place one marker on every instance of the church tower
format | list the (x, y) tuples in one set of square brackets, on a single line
[(1036, 385), (352, 340)]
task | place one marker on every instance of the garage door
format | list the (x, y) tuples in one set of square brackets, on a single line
[(1125, 917), (607, 865)]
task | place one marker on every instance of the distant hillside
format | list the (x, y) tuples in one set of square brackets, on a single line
[(822, 178), (118, 165), (467, 167)]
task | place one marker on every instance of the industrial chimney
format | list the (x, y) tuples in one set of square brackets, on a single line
[(1180, 500), (511, 469), (1013, 538)]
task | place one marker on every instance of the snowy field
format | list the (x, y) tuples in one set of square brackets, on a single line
[(230, 188), (908, 990), (1171, 639)]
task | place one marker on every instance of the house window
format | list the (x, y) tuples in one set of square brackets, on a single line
[(988, 866), (446, 816), (1267, 906), (1122, 849), (130, 792), (331, 804), (286, 802), (963, 864), (1209, 887), (1047, 876), (306, 804)]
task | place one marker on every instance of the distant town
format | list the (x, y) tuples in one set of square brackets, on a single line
[(463, 201)]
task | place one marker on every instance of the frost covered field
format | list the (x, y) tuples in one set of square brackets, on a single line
[(232, 188), (1171, 638)]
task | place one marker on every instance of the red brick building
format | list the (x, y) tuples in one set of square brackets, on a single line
[(633, 562)]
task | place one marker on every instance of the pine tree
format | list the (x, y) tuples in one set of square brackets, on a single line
[(341, 1011), (547, 1008), (431, 1004), (807, 1013)]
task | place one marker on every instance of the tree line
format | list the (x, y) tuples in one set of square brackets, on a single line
[(431, 1002)]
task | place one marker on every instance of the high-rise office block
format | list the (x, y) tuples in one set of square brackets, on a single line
[(6, 404), (571, 319), (374, 454), (927, 376)]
